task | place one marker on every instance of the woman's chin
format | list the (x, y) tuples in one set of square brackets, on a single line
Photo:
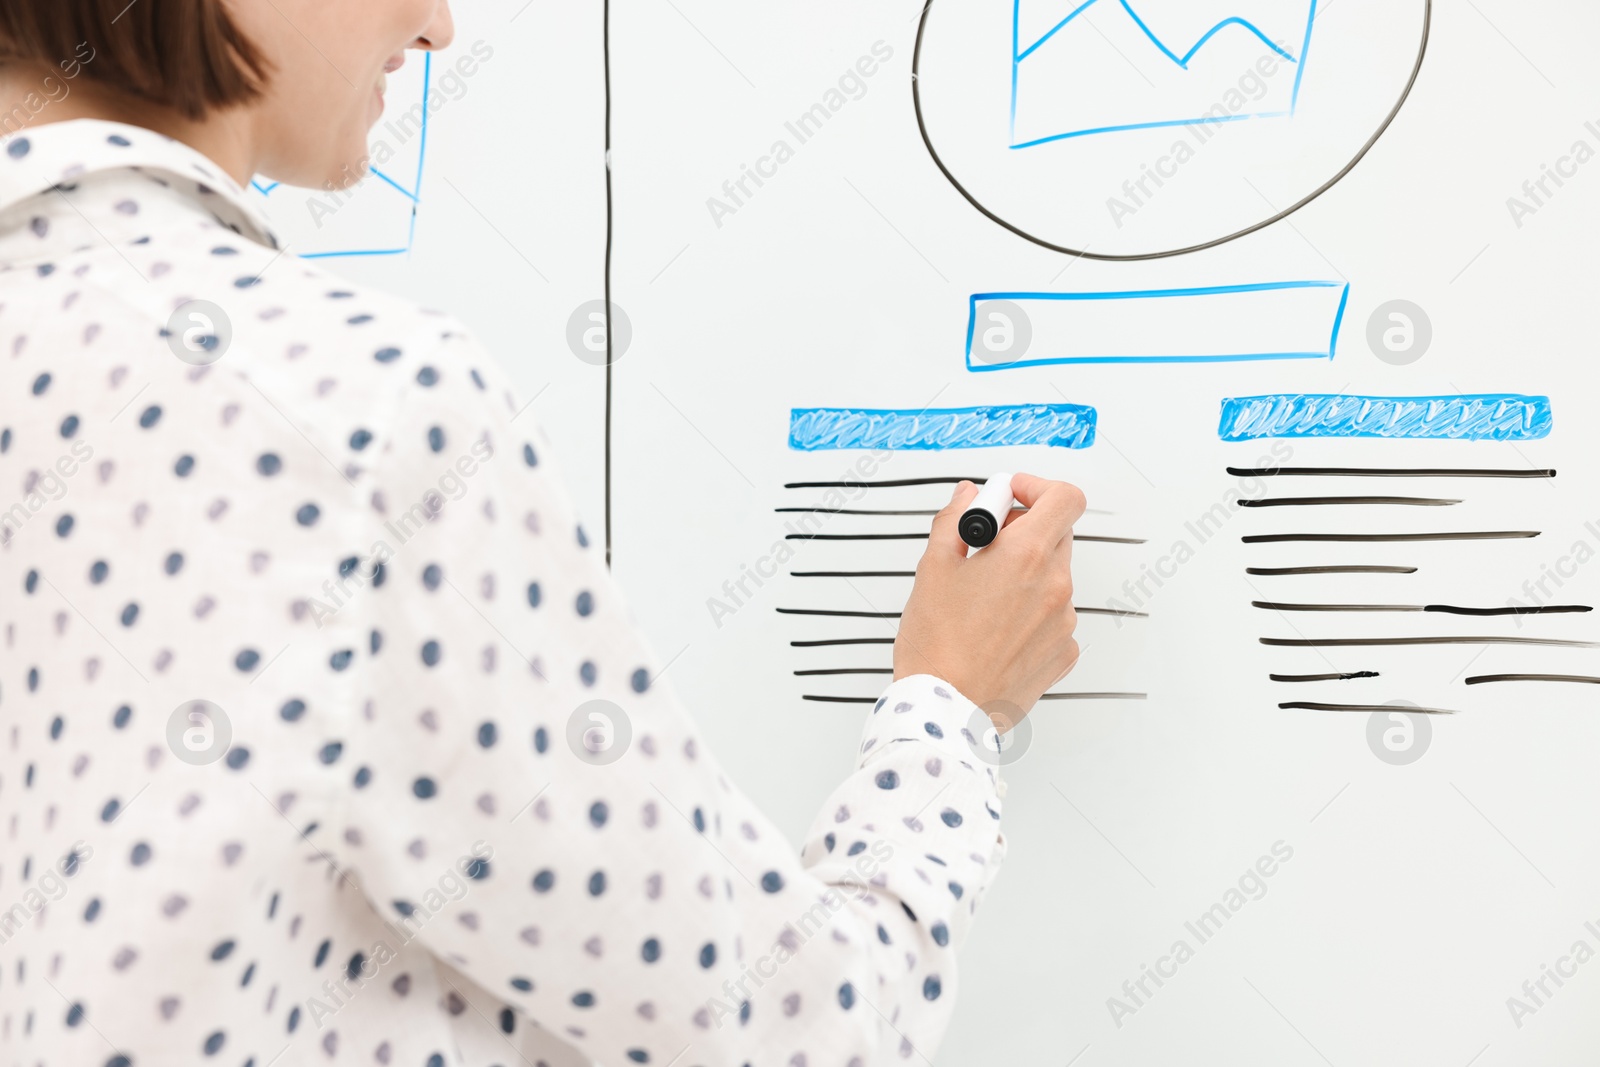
[(352, 172)]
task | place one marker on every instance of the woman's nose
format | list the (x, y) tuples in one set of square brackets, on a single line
[(440, 31)]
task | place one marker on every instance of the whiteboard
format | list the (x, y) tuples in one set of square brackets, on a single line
[(1348, 886)]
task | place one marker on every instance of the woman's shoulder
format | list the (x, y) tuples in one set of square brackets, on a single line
[(272, 293), (328, 344), (349, 367)]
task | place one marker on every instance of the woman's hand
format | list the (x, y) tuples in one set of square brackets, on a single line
[(997, 626)]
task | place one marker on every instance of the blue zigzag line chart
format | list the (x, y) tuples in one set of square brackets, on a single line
[(1020, 53), (413, 193)]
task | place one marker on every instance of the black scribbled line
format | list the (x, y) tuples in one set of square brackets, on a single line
[(893, 511), (1308, 705), (1016, 509), (924, 537), (852, 574), (1322, 677), (1547, 609), (1481, 679), (1389, 472), (1270, 605), (1363, 642), (841, 614), (830, 671), (1329, 501), (1341, 569), (1047, 696), (843, 641), (1453, 535), (1444, 609), (857, 537), (883, 484), (896, 614), (866, 511)]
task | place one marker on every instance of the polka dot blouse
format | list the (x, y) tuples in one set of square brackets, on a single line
[(325, 737)]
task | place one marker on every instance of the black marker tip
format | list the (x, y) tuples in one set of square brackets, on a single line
[(978, 528)]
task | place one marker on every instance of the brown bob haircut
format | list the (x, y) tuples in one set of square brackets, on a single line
[(184, 54)]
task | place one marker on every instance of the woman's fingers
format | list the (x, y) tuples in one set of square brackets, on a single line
[(1052, 508)]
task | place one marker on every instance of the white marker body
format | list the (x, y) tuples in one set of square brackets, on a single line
[(995, 501)]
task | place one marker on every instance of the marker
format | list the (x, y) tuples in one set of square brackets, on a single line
[(980, 524)]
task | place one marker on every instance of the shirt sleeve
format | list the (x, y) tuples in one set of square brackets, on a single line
[(624, 893)]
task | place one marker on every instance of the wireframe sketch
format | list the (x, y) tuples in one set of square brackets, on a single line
[(1132, 129), (1060, 87)]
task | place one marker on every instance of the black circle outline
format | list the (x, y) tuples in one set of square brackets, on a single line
[(916, 102)]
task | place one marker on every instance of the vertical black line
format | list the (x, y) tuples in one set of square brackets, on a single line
[(605, 36)]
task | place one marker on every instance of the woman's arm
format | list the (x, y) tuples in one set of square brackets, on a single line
[(644, 906)]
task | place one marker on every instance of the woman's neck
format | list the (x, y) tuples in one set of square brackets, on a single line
[(34, 94)]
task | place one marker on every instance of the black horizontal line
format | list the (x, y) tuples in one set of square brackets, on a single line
[(1274, 606), (843, 641), (924, 537), (861, 511), (1389, 472), (831, 671), (1322, 677), (1307, 705), (896, 614), (1342, 569), (842, 614), (893, 511), (1479, 679), (1015, 508), (1547, 609), (1450, 535), (884, 484), (1047, 696), (1356, 642), (1444, 609), (1323, 501), (857, 537), (852, 574), (905, 511)]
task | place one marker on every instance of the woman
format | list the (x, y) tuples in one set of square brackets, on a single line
[(302, 640)]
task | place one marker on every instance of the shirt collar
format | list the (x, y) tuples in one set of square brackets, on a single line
[(59, 153)]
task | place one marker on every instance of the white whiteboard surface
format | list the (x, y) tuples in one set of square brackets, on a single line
[(1419, 896)]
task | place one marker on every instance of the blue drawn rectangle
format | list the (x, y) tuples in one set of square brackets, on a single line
[(1481, 417), (1196, 110), (938, 429), (1207, 324)]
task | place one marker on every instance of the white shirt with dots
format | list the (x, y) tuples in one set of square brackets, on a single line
[(300, 644)]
